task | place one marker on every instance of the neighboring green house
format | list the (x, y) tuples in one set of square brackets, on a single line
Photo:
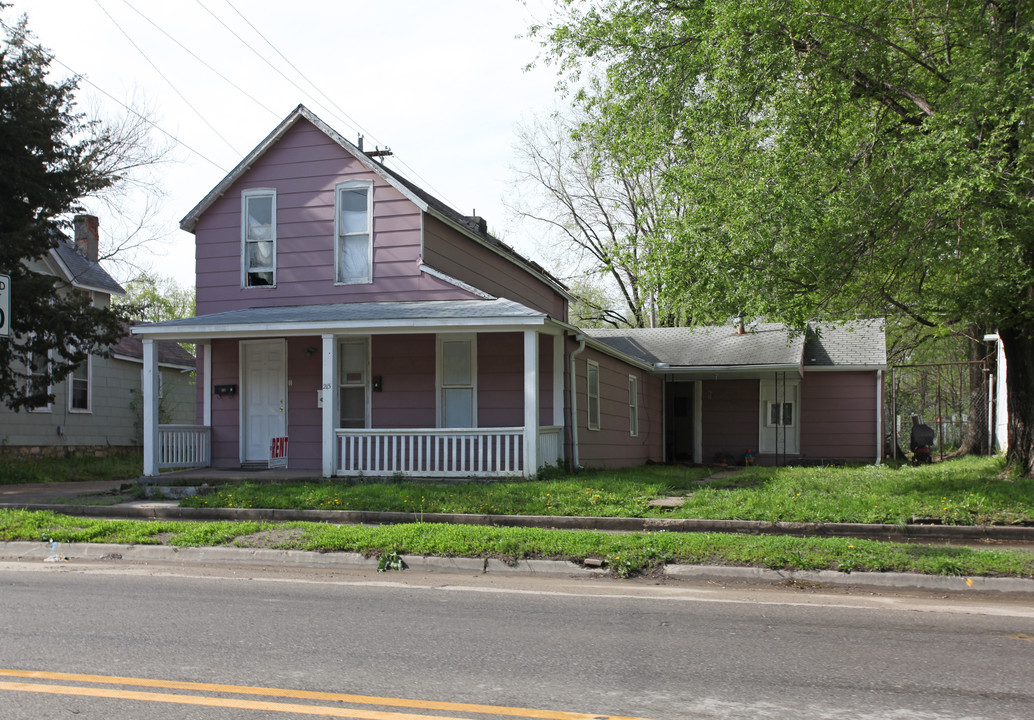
[(98, 408)]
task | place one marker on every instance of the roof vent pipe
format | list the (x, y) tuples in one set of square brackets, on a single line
[(580, 339)]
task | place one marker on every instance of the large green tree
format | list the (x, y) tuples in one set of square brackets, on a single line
[(843, 157), (50, 158)]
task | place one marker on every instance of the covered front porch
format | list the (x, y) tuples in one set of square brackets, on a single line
[(439, 389)]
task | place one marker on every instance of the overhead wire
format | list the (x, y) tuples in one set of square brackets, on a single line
[(165, 78), (344, 116), (51, 58), (194, 55)]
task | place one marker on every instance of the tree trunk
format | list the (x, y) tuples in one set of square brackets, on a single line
[(1018, 345), (976, 441)]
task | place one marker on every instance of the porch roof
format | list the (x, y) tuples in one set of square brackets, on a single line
[(349, 317)]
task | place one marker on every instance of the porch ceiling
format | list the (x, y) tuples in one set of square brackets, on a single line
[(498, 314)]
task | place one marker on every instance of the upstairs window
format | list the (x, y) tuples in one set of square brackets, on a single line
[(79, 387), (258, 228), (354, 232)]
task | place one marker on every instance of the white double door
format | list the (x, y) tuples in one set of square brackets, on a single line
[(264, 392)]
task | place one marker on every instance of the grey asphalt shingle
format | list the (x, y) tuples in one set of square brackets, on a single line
[(859, 344), (86, 272)]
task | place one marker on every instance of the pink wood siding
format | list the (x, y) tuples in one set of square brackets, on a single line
[(225, 410), (546, 378), (611, 445), (500, 380), (838, 415), (406, 363), (447, 250), (730, 414), (304, 416), (304, 168)]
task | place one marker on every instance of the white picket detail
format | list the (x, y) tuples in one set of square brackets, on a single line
[(183, 446), (551, 445), (463, 452)]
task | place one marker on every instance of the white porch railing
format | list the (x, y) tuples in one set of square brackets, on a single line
[(551, 445), (463, 452), (181, 446)]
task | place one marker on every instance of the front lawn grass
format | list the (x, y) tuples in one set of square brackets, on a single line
[(624, 554), (15, 470), (969, 491)]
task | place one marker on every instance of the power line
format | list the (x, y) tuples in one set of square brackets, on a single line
[(78, 76), (166, 79), (199, 59), (344, 116)]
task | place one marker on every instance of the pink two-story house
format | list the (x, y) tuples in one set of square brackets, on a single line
[(382, 332)]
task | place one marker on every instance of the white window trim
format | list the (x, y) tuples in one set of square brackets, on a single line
[(70, 381), (367, 385), (592, 423), (439, 376), (349, 184), (245, 195), (633, 406), (768, 414)]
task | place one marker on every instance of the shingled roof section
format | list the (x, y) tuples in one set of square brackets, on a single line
[(709, 346), (861, 344), (83, 272), (858, 344)]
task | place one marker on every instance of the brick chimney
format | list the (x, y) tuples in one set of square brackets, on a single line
[(87, 235)]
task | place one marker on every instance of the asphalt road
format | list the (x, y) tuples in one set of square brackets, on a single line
[(446, 645)]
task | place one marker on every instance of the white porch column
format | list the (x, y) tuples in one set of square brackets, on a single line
[(531, 402), (558, 387), (150, 388), (206, 351), (329, 393)]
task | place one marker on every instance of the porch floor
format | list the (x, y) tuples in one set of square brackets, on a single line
[(220, 476)]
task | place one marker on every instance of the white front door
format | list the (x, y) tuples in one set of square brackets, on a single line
[(780, 428), (264, 411)]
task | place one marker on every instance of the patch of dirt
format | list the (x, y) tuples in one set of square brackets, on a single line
[(273, 538)]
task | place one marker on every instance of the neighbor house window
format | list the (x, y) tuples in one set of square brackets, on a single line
[(354, 232), (633, 405), (457, 373), (592, 383), (35, 378), (258, 228), (354, 359), (79, 387)]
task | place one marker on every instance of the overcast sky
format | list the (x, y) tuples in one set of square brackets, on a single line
[(442, 83)]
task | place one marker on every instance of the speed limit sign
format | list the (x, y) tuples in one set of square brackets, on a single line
[(5, 305)]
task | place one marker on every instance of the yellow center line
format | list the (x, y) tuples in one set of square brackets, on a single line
[(276, 692), (235, 703)]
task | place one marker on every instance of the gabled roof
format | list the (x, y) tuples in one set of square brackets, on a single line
[(421, 198), (858, 345), (862, 343), (80, 272)]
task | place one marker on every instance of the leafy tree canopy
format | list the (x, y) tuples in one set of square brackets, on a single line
[(843, 158), (48, 163)]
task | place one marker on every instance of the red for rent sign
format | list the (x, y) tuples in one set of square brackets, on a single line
[(278, 452)]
